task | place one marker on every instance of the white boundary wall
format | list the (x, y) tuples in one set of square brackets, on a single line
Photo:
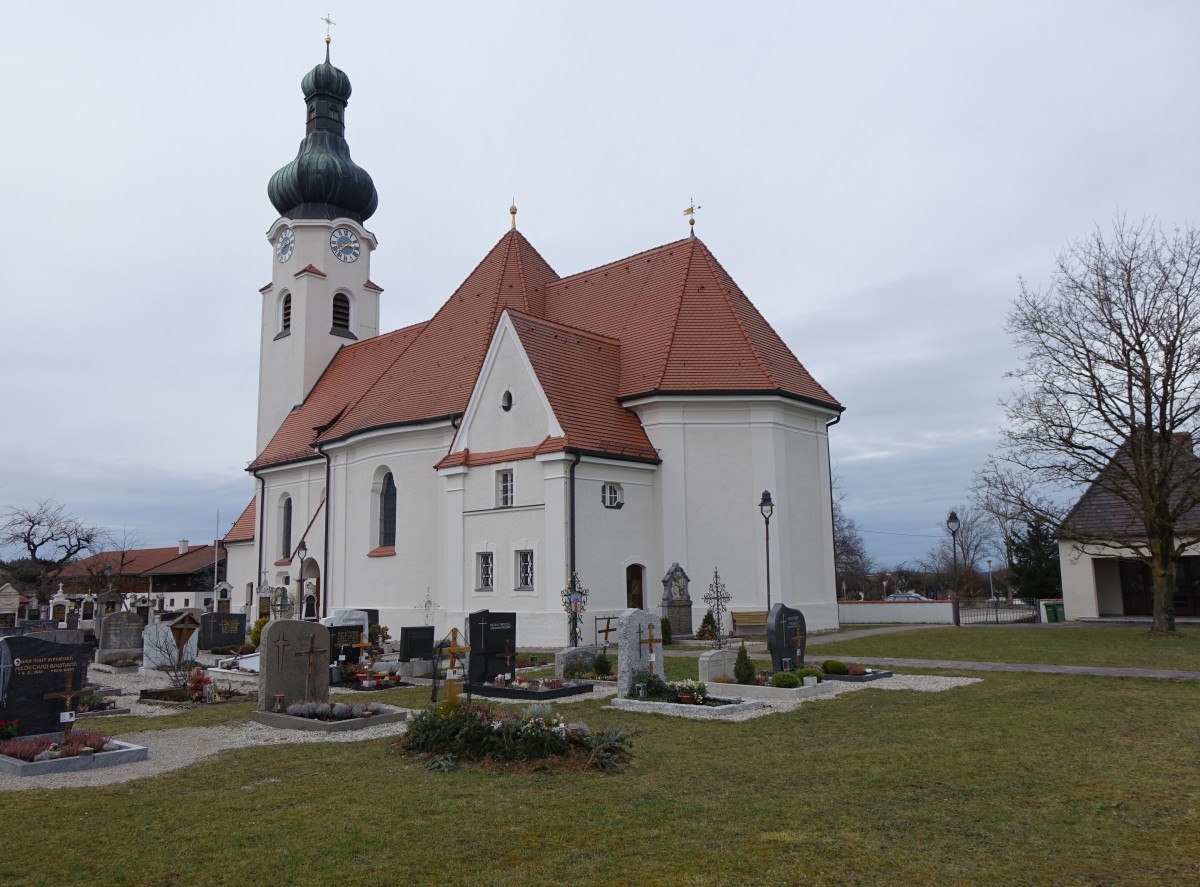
[(859, 612)]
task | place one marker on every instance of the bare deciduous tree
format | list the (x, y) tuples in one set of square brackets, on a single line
[(974, 542), (1111, 377), (852, 565), (48, 537)]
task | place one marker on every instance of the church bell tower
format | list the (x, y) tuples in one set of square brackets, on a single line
[(320, 296)]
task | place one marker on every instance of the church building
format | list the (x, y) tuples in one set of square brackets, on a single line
[(608, 423)]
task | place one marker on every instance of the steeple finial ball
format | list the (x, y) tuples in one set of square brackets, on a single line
[(512, 211)]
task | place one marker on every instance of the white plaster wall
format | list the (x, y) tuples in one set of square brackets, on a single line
[(862, 612), (399, 581), (1078, 582), (608, 540), (719, 454), (305, 483), (487, 426), (241, 568)]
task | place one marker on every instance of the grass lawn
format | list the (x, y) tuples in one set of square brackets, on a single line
[(1067, 645), (1021, 779)]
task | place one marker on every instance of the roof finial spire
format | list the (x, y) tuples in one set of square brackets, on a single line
[(512, 211), (691, 211), (329, 23)]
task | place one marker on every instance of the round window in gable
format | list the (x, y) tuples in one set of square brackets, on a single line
[(506, 401)]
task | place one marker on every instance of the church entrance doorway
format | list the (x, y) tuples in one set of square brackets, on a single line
[(634, 575)]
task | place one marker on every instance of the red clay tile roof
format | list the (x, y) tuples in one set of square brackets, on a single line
[(145, 561), (243, 528), (667, 320), (310, 268)]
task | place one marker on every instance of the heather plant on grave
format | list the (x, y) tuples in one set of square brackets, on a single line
[(27, 748), (445, 734), (855, 670)]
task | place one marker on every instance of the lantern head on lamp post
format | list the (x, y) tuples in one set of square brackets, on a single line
[(953, 524), (767, 508), (302, 553)]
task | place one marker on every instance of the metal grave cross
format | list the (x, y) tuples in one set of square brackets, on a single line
[(508, 656), (312, 652), (66, 696)]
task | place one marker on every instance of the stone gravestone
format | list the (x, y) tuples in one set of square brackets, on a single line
[(677, 602), (222, 630), (716, 663), (582, 659), (786, 636), (39, 680), (416, 642), (360, 618), (493, 640), (342, 640), (159, 650), (293, 664), (59, 635), (639, 647), (120, 637)]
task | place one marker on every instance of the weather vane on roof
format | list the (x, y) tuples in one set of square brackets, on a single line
[(691, 211), (329, 23)]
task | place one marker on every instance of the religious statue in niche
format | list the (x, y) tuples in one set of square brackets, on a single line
[(675, 585)]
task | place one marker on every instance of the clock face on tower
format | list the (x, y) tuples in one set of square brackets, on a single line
[(285, 245), (344, 244)]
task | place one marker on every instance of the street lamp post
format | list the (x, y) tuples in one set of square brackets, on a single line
[(991, 588), (767, 508), (952, 524), (301, 552)]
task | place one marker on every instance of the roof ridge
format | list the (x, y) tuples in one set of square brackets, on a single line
[(557, 324), (512, 255), (662, 369), (711, 260), (630, 258)]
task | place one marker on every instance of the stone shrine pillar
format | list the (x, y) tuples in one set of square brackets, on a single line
[(677, 602)]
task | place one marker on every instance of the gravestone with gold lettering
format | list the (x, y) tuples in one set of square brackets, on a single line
[(40, 684), (222, 630)]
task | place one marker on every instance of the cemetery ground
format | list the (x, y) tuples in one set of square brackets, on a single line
[(1017, 779)]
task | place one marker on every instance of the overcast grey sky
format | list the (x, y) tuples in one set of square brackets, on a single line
[(876, 176)]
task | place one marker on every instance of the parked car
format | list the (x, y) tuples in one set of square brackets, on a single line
[(906, 596)]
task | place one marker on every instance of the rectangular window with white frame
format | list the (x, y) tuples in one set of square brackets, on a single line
[(504, 488), (524, 569), (486, 570)]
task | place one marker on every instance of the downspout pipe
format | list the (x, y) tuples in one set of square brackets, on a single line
[(325, 546), (832, 526), (571, 493), (262, 517)]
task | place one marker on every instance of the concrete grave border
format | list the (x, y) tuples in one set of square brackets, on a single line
[(126, 754)]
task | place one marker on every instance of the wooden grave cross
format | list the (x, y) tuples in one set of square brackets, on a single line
[(66, 696), (454, 650), (650, 641), (799, 641), (606, 630), (508, 656), (312, 653)]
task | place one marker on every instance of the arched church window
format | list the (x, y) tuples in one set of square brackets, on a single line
[(285, 537), (387, 511), (341, 312)]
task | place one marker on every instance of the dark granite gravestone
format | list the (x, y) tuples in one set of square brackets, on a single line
[(493, 636), (293, 664), (32, 669), (786, 636), (222, 630), (575, 659), (341, 641), (120, 637), (59, 635), (416, 642)]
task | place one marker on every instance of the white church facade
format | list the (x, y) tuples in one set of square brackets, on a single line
[(608, 423)]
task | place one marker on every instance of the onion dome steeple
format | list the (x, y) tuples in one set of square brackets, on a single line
[(323, 182)]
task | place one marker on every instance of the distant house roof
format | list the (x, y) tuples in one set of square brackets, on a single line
[(145, 562), (1102, 513), (666, 321)]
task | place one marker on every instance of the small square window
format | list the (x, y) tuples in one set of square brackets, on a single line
[(524, 569), (486, 571), (504, 488), (611, 495)]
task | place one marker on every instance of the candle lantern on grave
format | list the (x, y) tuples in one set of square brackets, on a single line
[(574, 598)]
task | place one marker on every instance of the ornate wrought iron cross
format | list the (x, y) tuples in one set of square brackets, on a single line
[(717, 598), (574, 598)]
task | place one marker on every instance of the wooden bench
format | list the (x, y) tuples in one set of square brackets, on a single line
[(749, 621)]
